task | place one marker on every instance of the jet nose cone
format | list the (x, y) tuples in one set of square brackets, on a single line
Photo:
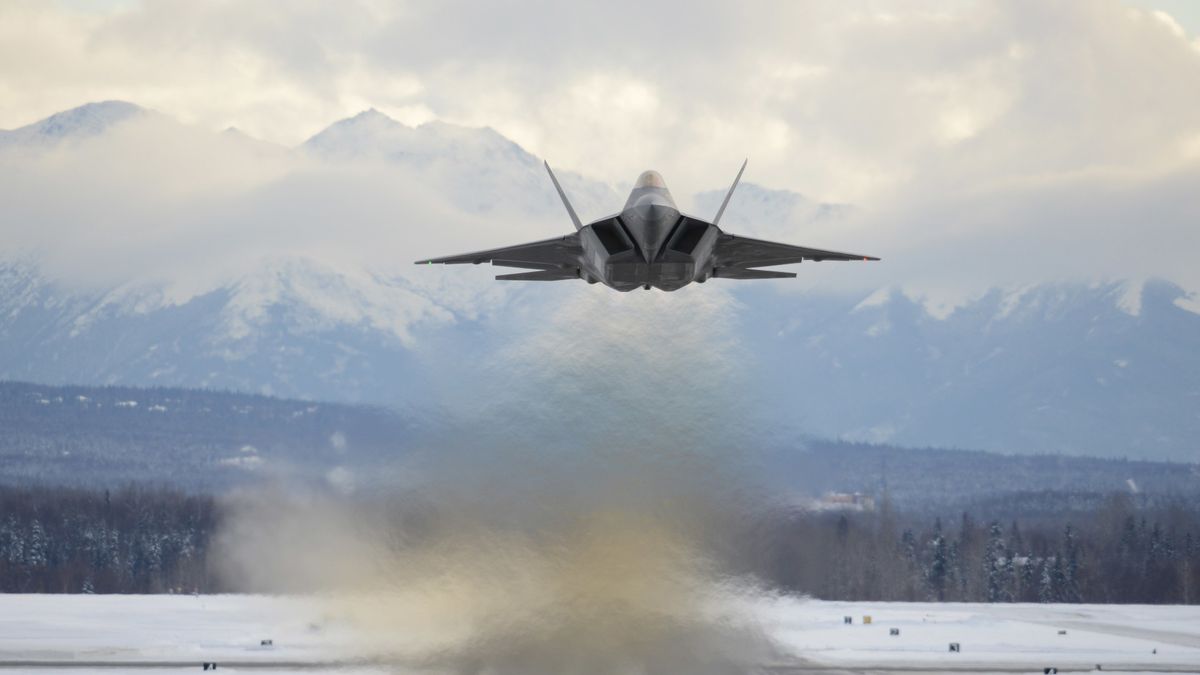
[(652, 208)]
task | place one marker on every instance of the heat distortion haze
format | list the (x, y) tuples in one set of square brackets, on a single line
[(564, 537), (241, 430)]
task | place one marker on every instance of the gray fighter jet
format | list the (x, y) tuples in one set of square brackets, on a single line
[(648, 244)]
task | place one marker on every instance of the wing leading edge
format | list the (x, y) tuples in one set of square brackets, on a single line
[(732, 251), (551, 259)]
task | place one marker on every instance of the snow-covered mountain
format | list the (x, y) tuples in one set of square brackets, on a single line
[(91, 119), (1105, 369), (293, 326), (1055, 368), (483, 171)]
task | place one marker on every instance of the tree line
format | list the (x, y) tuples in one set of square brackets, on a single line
[(132, 540), (1118, 553), (157, 540)]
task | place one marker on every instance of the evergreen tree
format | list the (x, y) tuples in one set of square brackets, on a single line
[(1015, 541), (1029, 578), (912, 565), (1046, 583), (1156, 549), (1048, 590), (952, 571), (1128, 546), (13, 542), (966, 550), (908, 545), (938, 563), (1070, 585), (36, 553), (997, 566)]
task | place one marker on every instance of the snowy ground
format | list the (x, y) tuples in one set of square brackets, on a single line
[(172, 633), (1022, 637)]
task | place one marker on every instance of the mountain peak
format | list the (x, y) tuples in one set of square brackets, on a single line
[(87, 120), (371, 133), (370, 113), (369, 118), (357, 134)]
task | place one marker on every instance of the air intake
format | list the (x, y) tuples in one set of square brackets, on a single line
[(611, 237), (689, 236)]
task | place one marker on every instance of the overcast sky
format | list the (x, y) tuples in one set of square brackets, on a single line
[(984, 142), (837, 99)]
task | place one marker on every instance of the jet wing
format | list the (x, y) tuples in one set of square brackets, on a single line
[(736, 251), (548, 254)]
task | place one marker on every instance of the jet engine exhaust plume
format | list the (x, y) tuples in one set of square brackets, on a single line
[(631, 577), (517, 549)]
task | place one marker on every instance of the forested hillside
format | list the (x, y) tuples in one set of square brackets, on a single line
[(938, 480), (207, 440), (195, 439)]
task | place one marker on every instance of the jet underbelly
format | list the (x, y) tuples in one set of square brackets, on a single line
[(666, 253), (662, 275)]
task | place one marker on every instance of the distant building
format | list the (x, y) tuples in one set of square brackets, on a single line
[(845, 501)]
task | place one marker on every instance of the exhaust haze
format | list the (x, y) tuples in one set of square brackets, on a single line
[(583, 521)]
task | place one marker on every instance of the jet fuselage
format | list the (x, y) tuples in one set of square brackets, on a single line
[(648, 244)]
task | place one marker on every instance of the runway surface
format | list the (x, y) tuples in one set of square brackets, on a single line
[(173, 634), (279, 668)]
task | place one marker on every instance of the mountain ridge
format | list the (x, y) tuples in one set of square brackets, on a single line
[(1031, 369), (217, 441), (87, 120)]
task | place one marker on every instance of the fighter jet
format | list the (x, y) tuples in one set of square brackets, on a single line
[(649, 244)]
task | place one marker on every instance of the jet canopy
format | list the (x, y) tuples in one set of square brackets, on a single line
[(650, 179)]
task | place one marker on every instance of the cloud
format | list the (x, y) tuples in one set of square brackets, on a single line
[(836, 99), (985, 143)]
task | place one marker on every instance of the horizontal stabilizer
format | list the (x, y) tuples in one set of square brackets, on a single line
[(743, 273), (525, 265), (541, 275)]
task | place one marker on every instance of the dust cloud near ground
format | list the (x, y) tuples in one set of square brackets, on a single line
[(584, 521)]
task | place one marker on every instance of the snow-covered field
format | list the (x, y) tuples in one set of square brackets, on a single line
[(169, 633), (1139, 637)]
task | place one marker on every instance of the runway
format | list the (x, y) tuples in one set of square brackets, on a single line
[(260, 634), (352, 668)]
